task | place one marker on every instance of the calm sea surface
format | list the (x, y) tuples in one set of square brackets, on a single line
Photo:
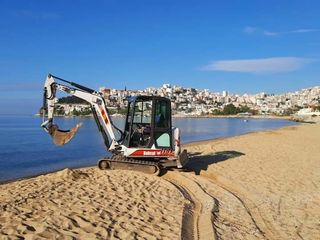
[(26, 150)]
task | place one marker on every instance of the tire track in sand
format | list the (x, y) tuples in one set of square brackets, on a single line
[(198, 215), (227, 218), (266, 227), (203, 215)]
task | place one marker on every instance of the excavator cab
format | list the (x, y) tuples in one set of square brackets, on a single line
[(148, 123)]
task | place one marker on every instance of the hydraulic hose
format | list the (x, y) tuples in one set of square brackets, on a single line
[(86, 89)]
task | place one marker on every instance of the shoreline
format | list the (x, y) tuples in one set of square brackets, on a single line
[(205, 141), (263, 185), (188, 144), (42, 174)]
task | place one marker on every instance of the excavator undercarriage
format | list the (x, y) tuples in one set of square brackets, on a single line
[(123, 163)]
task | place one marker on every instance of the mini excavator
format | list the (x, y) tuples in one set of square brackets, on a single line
[(148, 141)]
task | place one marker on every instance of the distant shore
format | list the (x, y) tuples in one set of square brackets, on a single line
[(234, 116), (193, 116), (301, 119)]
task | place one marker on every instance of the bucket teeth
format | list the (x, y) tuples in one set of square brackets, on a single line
[(61, 137)]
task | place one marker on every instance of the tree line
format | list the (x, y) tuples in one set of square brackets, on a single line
[(230, 109)]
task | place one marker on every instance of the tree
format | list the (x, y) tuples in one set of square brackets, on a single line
[(230, 109), (72, 100), (244, 109), (59, 111)]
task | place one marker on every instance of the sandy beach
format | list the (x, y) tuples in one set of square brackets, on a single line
[(262, 185)]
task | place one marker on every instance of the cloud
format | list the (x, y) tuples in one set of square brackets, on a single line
[(304, 30), (251, 30), (263, 65), (36, 15), (268, 33)]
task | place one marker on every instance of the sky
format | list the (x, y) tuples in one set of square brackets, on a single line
[(240, 46)]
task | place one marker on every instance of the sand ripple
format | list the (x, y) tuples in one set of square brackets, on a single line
[(91, 204)]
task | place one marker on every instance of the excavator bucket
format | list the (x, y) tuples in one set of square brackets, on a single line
[(61, 137)]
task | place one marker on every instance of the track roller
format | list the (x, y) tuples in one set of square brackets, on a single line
[(104, 164)]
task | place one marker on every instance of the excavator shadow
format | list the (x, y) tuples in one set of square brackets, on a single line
[(198, 162)]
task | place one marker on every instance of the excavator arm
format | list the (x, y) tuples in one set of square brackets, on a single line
[(96, 101)]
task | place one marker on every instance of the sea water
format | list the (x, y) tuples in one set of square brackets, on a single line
[(27, 150)]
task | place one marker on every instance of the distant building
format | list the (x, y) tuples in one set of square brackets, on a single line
[(105, 91), (308, 112), (197, 101), (224, 93)]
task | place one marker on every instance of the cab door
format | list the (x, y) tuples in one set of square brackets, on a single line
[(138, 123), (162, 123)]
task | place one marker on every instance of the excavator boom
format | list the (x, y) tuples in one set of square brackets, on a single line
[(96, 101)]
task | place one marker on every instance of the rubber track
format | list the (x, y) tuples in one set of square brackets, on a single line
[(122, 159)]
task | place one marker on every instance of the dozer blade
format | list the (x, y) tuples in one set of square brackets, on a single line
[(61, 137)]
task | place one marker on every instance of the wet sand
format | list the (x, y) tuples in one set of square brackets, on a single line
[(262, 185)]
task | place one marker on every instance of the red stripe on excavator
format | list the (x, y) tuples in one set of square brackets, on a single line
[(152, 153), (103, 113)]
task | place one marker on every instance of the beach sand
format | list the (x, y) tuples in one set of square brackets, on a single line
[(262, 185)]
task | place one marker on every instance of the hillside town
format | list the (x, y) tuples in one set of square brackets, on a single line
[(199, 102)]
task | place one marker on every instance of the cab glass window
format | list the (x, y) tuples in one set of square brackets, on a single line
[(147, 112), (162, 118), (130, 112), (142, 112)]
